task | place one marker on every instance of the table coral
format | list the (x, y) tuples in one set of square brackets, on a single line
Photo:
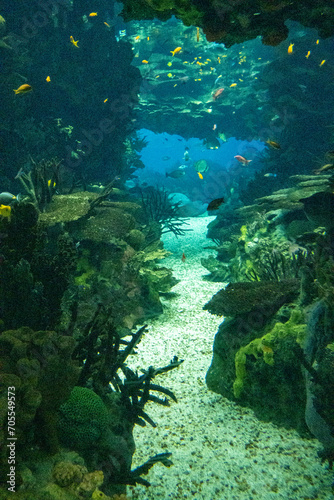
[(244, 297)]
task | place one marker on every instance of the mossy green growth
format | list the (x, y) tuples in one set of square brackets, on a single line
[(243, 231), (83, 419), (84, 267), (265, 346)]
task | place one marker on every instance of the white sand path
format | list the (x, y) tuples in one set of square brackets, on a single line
[(220, 450)]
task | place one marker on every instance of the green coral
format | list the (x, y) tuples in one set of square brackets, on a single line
[(266, 346), (83, 419)]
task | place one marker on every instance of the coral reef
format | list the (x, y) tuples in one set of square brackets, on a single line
[(39, 366)]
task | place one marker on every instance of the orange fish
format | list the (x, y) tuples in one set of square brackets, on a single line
[(217, 93), (74, 42), (242, 160), (183, 258), (137, 37), (23, 89), (106, 100), (48, 79)]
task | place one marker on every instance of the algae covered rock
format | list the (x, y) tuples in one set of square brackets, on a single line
[(260, 366)]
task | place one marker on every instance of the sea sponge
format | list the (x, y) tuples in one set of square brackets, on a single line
[(83, 419), (67, 473), (89, 484)]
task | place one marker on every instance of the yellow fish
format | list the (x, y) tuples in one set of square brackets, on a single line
[(200, 175), (317, 42), (92, 14), (144, 61), (170, 75), (49, 183), (290, 48), (176, 51), (48, 79), (322, 62), (233, 85), (308, 54), (137, 37), (324, 168), (23, 89), (273, 144), (106, 100), (148, 39), (169, 64), (108, 25), (75, 43), (5, 211)]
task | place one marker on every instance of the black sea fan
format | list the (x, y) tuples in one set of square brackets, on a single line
[(159, 208)]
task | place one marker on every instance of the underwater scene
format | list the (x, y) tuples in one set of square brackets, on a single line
[(166, 249)]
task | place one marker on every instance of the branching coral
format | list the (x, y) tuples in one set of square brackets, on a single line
[(160, 209)]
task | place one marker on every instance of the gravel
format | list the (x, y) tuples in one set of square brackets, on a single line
[(219, 450)]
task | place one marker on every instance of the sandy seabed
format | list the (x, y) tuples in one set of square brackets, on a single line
[(220, 451)]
